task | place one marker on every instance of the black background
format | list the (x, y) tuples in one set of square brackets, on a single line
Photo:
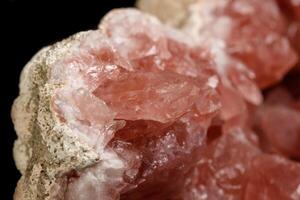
[(28, 26)]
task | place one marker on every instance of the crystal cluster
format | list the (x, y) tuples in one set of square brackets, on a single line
[(140, 110)]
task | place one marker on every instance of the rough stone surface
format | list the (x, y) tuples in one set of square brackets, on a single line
[(44, 148)]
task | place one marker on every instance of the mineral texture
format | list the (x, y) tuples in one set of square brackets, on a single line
[(141, 110), (110, 110)]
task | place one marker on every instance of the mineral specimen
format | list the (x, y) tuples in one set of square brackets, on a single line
[(140, 110), (112, 110)]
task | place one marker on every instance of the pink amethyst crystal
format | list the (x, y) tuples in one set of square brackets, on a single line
[(147, 105), (139, 110)]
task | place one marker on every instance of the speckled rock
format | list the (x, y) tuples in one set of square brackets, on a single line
[(45, 149)]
